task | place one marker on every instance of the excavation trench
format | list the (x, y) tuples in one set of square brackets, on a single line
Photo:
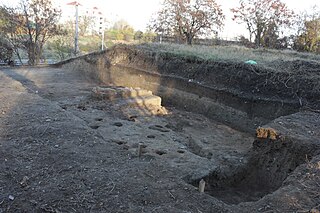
[(269, 164), (243, 106), (237, 110)]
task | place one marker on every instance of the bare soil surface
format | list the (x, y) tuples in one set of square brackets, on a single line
[(61, 150)]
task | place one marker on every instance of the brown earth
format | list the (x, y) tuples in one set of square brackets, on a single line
[(218, 89), (62, 150)]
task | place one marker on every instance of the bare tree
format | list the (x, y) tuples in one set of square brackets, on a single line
[(85, 23), (6, 50), (9, 28), (188, 18), (31, 25), (308, 31), (263, 17)]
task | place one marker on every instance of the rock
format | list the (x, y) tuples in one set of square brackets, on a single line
[(126, 97), (264, 133), (132, 118), (24, 181), (314, 210)]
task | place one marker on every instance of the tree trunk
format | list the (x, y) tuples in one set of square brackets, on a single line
[(258, 36), (16, 51), (189, 39), (19, 57), (31, 54), (250, 32), (38, 53), (34, 53)]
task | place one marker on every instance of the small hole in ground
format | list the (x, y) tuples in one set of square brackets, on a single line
[(118, 124), (82, 107), (94, 127), (99, 119), (181, 151), (161, 152), (119, 142)]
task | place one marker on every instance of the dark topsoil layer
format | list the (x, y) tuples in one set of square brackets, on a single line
[(293, 81)]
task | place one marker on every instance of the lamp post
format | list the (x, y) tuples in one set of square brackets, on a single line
[(76, 36), (102, 40), (101, 28)]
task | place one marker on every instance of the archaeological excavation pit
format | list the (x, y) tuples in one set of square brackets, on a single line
[(236, 167), (270, 162)]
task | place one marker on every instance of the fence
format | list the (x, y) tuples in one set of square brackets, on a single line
[(197, 41)]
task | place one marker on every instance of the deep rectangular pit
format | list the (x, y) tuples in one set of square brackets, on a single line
[(243, 106), (269, 164)]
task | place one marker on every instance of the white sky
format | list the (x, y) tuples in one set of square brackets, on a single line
[(138, 12)]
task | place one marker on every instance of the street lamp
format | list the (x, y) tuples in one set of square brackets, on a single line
[(76, 36), (101, 29)]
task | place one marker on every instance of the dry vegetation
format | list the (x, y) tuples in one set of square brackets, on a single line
[(282, 74), (264, 57)]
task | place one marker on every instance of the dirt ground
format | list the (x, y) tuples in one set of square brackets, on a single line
[(61, 150)]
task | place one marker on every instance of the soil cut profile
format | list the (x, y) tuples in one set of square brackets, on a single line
[(126, 131)]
